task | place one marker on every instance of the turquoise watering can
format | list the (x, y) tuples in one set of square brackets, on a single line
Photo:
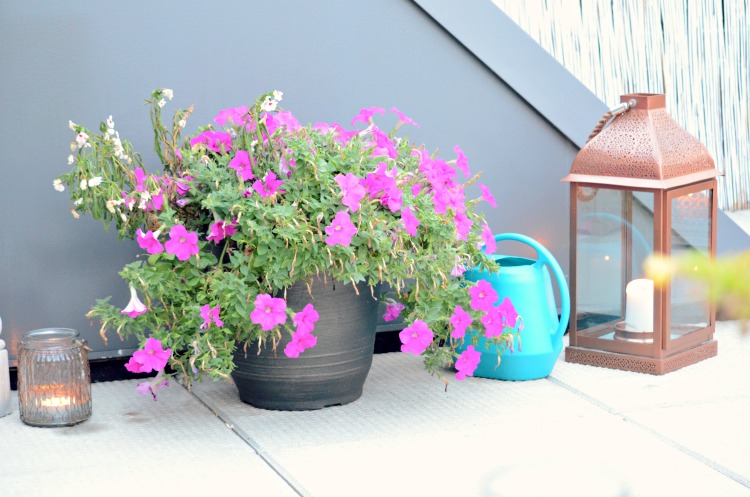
[(526, 282)]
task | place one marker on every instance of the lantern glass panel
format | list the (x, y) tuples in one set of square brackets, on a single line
[(690, 234), (615, 229)]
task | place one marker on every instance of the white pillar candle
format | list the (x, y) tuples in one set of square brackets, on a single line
[(639, 305), (4, 378)]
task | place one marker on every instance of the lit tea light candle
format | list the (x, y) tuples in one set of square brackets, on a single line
[(56, 402), (639, 305)]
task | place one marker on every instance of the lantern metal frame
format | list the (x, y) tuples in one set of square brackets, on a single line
[(643, 151)]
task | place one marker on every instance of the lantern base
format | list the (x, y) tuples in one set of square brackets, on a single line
[(641, 364)]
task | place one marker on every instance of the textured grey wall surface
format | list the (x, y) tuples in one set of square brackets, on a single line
[(86, 60)]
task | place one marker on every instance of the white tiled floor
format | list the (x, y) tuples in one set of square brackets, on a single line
[(583, 429)]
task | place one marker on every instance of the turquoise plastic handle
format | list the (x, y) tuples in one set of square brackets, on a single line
[(545, 257)]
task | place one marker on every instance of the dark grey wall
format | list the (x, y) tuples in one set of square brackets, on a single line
[(88, 59)]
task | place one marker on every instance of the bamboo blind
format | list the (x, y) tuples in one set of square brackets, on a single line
[(696, 52)]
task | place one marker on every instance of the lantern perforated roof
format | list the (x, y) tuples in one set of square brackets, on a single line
[(643, 148)]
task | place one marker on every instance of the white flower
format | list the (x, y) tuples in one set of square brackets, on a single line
[(111, 206), (95, 181), (83, 185), (58, 185), (78, 202), (119, 150), (167, 93), (72, 125), (81, 139), (268, 105), (71, 159), (162, 102), (123, 217), (181, 123), (277, 95), (135, 306), (110, 123)]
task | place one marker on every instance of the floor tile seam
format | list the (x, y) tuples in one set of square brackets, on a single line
[(265, 456), (688, 403), (721, 469)]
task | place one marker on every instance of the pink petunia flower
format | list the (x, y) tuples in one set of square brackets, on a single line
[(140, 178), (148, 241), (403, 118), (486, 195), (351, 189), (381, 185), (508, 311), (383, 144), (287, 165), (268, 187), (286, 119), (458, 270), (483, 296), (341, 230), (182, 187), (135, 307), (151, 358), (463, 225), (128, 200), (242, 164), (467, 363), (220, 230), (134, 366), (462, 162), (148, 387), (301, 340), (269, 311), (460, 320), (216, 141), (493, 322), (489, 240), (306, 319), (157, 202), (410, 221), (416, 338), (236, 116), (392, 311), (182, 243), (365, 115), (210, 314)]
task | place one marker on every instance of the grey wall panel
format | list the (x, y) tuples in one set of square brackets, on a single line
[(86, 60)]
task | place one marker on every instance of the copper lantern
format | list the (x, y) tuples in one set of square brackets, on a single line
[(641, 186)]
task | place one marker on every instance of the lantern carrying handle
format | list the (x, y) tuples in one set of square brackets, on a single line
[(545, 257), (610, 115)]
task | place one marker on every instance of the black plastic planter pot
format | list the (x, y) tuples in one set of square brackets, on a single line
[(331, 373)]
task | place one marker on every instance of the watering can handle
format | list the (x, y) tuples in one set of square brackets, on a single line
[(545, 257)]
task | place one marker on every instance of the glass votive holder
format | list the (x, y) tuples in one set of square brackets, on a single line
[(54, 383)]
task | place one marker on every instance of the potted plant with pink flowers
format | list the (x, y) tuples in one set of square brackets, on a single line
[(260, 234)]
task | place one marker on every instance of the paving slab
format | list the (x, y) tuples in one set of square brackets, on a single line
[(132, 446), (407, 436), (703, 409)]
